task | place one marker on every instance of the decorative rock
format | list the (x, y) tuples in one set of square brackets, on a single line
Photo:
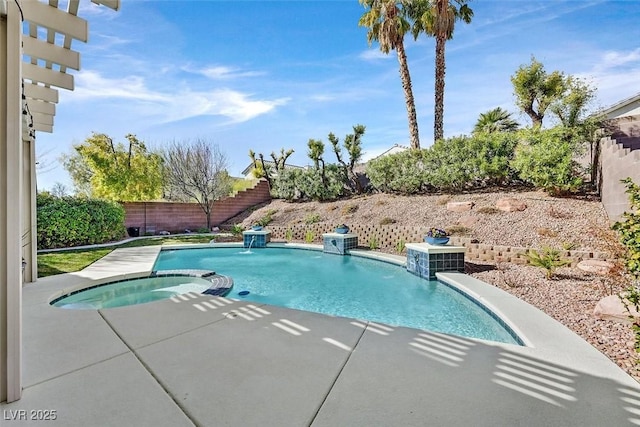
[(511, 204), (612, 308), (459, 206), (595, 266)]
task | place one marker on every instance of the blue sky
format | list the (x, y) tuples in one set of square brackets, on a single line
[(266, 75)]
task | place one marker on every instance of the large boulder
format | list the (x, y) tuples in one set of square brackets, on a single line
[(511, 204), (459, 206), (612, 308)]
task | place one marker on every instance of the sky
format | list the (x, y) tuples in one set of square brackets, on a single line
[(265, 75)]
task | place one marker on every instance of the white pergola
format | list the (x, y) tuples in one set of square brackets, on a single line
[(35, 57)]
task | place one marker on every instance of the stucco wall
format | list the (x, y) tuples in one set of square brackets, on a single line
[(153, 217), (619, 159)]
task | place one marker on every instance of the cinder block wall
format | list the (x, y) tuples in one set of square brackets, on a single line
[(388, 237), (176, 217)]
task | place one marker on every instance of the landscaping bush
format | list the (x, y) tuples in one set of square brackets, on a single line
[(72, 221), (402, 173), (471, 162), (545, 159), (309, 184)]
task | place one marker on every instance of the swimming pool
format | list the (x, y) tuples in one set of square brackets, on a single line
[(347, 286)]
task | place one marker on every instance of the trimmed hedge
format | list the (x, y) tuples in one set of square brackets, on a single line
[(72, 221)]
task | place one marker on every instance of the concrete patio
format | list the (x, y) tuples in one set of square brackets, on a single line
[(208, 361)]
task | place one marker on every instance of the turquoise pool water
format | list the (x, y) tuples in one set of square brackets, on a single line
[(347, 286), (131, 292)]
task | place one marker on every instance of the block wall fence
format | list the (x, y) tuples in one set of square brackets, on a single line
[(387, 237), (153, 217)]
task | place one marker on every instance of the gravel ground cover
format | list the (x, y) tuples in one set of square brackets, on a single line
[(576, 223)]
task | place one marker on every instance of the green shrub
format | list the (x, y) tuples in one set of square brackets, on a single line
[(237, 229), (309, 184), (374, 243), (629, 229), (386, 221), (549, 260), (267, 218), (72, 221), (312, 219), (400, 246), (309, 236), (402, 172), (288, 235), (545, 159)]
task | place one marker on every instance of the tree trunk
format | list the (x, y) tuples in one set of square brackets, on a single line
[(408, 94), (438, 116)]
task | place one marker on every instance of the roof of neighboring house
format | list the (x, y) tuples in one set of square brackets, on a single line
[(627, 107), (395, 148), (249, 168)]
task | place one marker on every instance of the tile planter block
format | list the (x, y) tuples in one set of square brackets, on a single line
[(426, 260), (260, 238), (340, 244)]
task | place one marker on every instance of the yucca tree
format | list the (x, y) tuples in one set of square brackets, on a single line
[(387, 25), (496, 120), (437, 18)]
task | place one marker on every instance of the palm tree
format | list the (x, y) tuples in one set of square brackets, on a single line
[(496, 120), (387, 25), (437, 18)]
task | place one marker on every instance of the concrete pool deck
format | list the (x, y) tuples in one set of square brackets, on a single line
[(209, 361)]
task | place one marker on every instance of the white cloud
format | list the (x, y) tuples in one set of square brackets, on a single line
[(167, 107), (374, 55), (220, 72), (614, 59)]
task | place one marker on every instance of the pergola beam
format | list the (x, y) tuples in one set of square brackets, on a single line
[(42, 93), (49, 52), (47, 76), (55, 19), (36, 106)]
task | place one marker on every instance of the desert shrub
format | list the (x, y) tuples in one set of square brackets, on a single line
[(386, 221), (559, 214), (237, 229), (402, 172), (490, 210), (470, 162), (267, 218), (374, 243), (400, 246), (285, 185), (312, 219), (458, 230), (549, 260), (349, 209), (545, 159), (288, 235), (309, 184), (72, 221), (547, 232), (309, 236)]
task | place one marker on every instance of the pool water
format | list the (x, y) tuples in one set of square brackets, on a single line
[(134, 291), (347, 286)]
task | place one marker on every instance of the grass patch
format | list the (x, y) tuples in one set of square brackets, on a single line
[(52, 263), (68, 261), (312, 219)]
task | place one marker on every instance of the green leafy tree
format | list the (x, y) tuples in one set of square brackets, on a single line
[(536, 90), (629, 229), (103, 169), (437, 18), (197, 170), (388, 25), (496, 120)]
